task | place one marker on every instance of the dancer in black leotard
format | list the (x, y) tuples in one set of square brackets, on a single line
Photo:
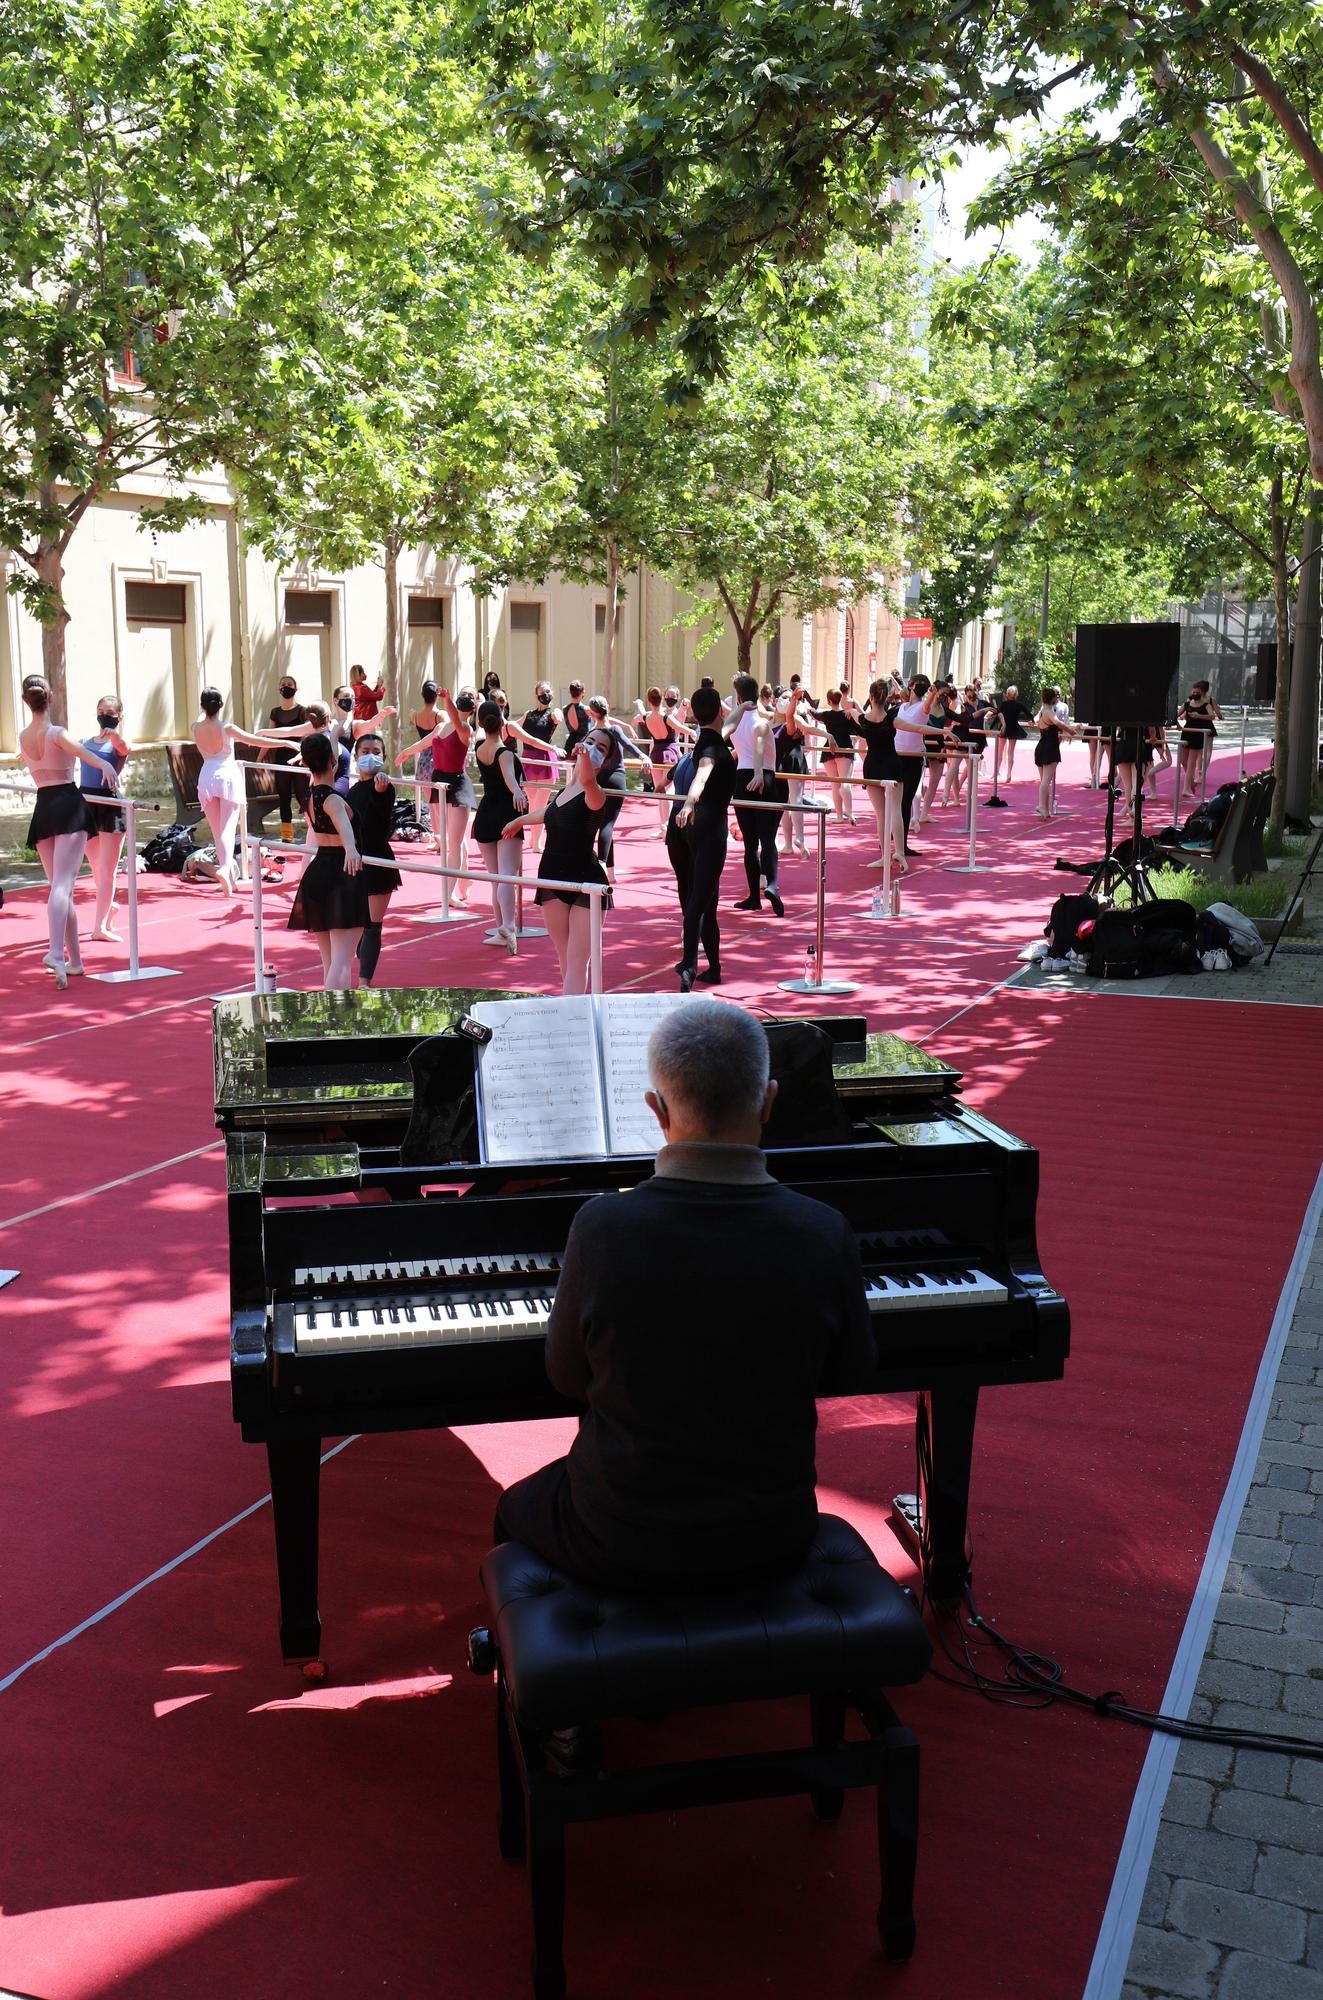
[(749, 726), (876, 730), (1198, 713), (372, 803), (332, 898), (570, 824), (577, 721), (838, 757), (1047, 752), (697, 836), (503, 800), (1014, 715)]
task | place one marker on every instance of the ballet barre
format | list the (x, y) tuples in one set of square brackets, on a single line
[(134, 970), (263, 974)]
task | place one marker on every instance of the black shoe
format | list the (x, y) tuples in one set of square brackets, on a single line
[(776, 903), (994, 802), (687, 973), (750, 903), (712, 977)]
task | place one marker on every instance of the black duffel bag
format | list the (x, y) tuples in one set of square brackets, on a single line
[(1146, 942)]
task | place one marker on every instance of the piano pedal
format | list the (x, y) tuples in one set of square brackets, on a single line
[(906, 1523)]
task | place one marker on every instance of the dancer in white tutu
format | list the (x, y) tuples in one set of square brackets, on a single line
[(221, 787)]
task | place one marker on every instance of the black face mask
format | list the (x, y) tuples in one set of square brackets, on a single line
[(288, 694), (544, 700), (104, 722), (345, 706)]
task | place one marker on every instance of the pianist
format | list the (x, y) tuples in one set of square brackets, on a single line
[(696, 1318)]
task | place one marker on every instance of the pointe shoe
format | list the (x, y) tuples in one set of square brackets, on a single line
[(104, 936), (510, 941), (687, 977)]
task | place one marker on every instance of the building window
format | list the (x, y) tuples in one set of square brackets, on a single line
[(156, 603), (309, 610), (426, 614), (599, 618), (525, 617)]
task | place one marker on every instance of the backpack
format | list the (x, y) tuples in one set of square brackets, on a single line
[(1062, 929), (1243, 940), (167, 851), (1205, 821)]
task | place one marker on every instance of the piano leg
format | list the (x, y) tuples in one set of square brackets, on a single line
[(295, 1468), (944, 1435)]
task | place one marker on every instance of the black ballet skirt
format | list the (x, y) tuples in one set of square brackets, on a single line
[(497, 808), (1047, 750), (60, 809), (569, 833), (374, 816), (790, 757), (327, 899)]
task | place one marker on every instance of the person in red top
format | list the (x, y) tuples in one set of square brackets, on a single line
[(367, 699)]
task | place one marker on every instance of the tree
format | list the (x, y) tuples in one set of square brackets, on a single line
[(183, 179)]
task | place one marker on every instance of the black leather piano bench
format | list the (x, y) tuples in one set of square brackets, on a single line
[(567, 1656)]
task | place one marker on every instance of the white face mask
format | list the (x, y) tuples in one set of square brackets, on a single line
[(596, 757), (369, 763)]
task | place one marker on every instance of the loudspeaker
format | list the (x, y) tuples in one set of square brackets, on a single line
[(1265, 673), (1126, 674)]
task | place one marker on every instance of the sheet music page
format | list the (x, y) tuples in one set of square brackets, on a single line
[(627, 1020), (539, 1080)]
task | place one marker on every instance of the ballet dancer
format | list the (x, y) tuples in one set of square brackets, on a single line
[(372, 803), (697, 837), (106, 842), (448, 748), (220, 781), (331, 900), (503, 799), (570, 823), (61, 819)]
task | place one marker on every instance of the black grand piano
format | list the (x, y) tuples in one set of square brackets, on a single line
[(423, 1303)]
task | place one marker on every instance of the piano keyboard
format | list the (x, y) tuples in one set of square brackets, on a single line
[(425, 1270), (395, 1319)]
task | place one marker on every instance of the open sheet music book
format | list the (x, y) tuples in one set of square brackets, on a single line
[(564, 1078)]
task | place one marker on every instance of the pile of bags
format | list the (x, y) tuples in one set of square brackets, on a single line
[(1148, 941)]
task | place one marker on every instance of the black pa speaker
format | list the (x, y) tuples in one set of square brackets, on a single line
[(1126, 674), (1265, 673)]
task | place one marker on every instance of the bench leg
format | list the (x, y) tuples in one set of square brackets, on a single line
[(510, 1824), (898, 1839), (546, 1882), (828, 1712)]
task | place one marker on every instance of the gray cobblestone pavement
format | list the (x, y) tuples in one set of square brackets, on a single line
[(1233, 1908)]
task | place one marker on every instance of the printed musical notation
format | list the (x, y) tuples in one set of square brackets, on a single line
[(565, 1078)]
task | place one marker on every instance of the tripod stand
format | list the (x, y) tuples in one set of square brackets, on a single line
[(1300, 887), (1110, 873)]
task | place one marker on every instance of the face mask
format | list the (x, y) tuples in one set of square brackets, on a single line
[(345, 705), (545, 700), (287, 694), (104, 722), (369, 763), (595, 756)]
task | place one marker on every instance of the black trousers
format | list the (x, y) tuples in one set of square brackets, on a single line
[(697, 857), (289, 783), (911, 777), (758, 832)]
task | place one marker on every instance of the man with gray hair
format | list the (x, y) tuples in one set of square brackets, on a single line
[(697, 1318)]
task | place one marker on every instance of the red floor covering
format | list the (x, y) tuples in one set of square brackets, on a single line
[(180, 1820)]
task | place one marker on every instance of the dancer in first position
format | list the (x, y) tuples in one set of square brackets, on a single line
[(61, 819), (221, 790)]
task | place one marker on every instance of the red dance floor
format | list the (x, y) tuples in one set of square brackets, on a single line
[(181, 1819)]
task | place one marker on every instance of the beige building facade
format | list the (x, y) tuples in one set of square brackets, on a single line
[(155, 618)]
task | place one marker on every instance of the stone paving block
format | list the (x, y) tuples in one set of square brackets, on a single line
[(1295, 1374), (1189, 1801), (1282, 1478), (1304, 1621), (1278, 1587), (1263, 1771), (1283, 1652), (1282, 1822), (1252, 1611), (1226, 1680), (1263, 1552), (1247, 1923), (1306, 1780), (1176, 1965), (1280, 1430), (1288, 1877), (1306, 1560), (1314, 1946), (1263, 1520), (1300, 1527), (1303, 1696), (1156, 1891), (1220, 1859), (1204, 1760), (1246, 1978), (1267, 1721)]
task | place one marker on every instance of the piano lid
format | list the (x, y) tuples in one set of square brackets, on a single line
[(282, 1057)]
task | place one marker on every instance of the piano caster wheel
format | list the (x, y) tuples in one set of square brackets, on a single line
[(314, 1670)]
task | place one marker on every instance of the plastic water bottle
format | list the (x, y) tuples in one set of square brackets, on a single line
[(811, 966), (876, 910)]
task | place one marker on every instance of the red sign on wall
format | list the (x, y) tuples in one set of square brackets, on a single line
[(916, 628)]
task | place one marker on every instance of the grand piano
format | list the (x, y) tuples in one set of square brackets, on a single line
[(374, 1289)]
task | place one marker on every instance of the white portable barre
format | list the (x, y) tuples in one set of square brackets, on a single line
[(596, 891), (134, 970)]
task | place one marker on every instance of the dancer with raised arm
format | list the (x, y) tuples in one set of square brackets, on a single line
[(838, 757), (749, 726), (448, 748), (1047, 752), (61, 819), (571, 821), (331, 900), (105, 843), (876, 730), (1199, 712), (221, 791)]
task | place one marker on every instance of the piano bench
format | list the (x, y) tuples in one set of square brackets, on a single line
[(567, 1656)]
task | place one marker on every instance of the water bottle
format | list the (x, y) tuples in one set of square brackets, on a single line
[(811, 966), (876, 910)]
